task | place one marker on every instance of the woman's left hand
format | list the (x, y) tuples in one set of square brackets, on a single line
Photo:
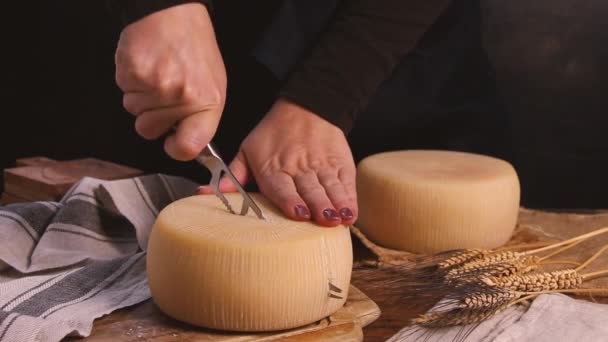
[(302, 163)]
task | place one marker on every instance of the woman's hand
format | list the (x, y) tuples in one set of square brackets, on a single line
[(302, 163), (169, 67)]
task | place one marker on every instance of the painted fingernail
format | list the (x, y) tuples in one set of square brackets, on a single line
[(302, 211), (346, 213), (331, 214)]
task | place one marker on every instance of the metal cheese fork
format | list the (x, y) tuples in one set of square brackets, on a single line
[(212, 160)]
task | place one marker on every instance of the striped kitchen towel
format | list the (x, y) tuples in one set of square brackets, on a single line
[(550, 318), (64, 264)]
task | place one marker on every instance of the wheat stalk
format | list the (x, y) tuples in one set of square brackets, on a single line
[(487, 299), (498, 265), (463, 256), (483, 283), (475, 284), (545, 281)]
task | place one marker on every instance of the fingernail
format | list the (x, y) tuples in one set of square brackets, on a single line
[(346, 213), (302, 211), (331, 214)]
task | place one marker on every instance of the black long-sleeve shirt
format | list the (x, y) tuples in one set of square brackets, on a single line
[(355, 52)]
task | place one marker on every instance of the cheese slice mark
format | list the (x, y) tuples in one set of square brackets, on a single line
[(218, 270), (426, 201)]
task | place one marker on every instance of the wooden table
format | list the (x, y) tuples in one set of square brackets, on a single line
[(393, 318), (127, 322)]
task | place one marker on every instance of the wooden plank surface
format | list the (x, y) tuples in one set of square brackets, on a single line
[(42, 179), (34, 161)]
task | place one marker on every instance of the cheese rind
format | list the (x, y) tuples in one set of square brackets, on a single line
[(218, 270), (426, 201)]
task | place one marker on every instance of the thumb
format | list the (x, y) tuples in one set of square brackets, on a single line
[(239, 169), (193, 133)]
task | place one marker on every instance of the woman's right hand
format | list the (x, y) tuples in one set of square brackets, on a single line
[(171, 72)]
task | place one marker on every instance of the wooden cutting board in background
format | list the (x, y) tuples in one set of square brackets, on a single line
[(45, 179)]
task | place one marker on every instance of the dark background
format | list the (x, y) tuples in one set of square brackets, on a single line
[(547, 87)]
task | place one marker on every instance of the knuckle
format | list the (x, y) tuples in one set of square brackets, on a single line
[(129, 67), (315, 164), (287, 199), (311, 190), (189, 93), (138, 73), (335, 162), (129, 106), (167, 84), (332, 184)]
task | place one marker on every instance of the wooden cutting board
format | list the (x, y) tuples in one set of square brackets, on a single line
[(145, 322), (44, 179)]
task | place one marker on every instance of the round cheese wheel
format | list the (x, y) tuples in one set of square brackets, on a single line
[(427, 201), (219, 270)]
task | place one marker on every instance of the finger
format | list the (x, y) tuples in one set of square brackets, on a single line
[(140, 102), (154, 123), (128, 77), (281, 190), (204, 190), (239, 169), (193, 134), (338, 195), (122, 77), (314, 195), (347, 176)]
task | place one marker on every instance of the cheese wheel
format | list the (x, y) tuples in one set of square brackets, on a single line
[(218, 270), (427, 201)]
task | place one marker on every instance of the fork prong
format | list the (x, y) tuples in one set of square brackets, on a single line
[(215, 185), (225, 201), (248, 202), (211, 159)]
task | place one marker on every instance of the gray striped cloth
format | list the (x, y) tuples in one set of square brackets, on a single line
[(64, 264)]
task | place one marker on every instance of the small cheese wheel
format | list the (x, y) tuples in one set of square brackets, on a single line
[(219, 270), (427, 201)]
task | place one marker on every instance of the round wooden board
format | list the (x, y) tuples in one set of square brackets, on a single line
[(145, 322)]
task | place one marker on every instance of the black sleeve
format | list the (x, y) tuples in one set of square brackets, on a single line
[(359, 49), (129, 11)]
